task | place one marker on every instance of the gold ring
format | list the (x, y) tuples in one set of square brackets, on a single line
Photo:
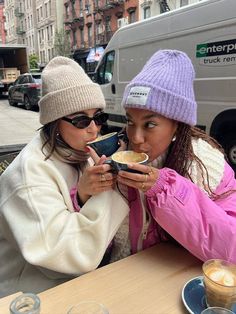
[(143, 186), (151, 171), (103, 178)]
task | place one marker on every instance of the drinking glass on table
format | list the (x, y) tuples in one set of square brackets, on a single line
[(26, 303), (216, 310), (220, 283), (88, 307)]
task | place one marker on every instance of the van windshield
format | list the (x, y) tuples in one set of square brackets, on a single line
[(105, 69)]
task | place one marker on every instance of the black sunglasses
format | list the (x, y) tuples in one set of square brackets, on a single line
[(82, 122)]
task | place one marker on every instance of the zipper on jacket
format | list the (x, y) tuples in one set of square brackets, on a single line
[(146, 222), (145, 226)]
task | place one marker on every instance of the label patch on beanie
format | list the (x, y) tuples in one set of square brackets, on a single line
[(138, 95)]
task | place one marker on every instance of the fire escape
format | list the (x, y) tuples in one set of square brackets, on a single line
[(164, 6), (20, 30)]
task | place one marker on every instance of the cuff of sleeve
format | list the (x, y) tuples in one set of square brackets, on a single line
[(166, 178), (73, 194)]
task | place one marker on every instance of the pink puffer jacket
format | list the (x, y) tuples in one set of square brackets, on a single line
[(205, 227)]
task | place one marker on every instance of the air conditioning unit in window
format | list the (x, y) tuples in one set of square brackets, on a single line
[(122, 21)]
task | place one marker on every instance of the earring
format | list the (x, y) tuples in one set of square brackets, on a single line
[(174, 138)]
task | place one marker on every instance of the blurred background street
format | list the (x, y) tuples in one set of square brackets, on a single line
[(18, 126)]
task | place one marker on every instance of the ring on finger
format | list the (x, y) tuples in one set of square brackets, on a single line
[(151, 171), (103, 178), (143, 186)]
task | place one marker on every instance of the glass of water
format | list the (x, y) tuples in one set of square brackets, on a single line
[(26, 303), (88, 307)]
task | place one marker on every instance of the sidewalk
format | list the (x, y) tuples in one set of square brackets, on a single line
[(17, 125)]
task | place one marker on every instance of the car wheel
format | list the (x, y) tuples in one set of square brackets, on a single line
[(11, 102), (27, 103), (230, 149)]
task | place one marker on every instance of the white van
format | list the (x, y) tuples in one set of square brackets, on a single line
[(206, 31)]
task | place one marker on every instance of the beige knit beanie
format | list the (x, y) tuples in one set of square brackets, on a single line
[(67, 89)]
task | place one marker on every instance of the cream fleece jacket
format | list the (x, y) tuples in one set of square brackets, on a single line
[(43, 241)]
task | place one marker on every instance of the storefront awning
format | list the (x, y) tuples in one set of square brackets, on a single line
[(95, 54)]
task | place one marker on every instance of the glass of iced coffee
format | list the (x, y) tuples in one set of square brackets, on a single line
[(220, 283)]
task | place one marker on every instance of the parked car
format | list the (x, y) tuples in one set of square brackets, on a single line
[(26, 90)]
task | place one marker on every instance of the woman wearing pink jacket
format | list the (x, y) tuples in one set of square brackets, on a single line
[(188, 190)]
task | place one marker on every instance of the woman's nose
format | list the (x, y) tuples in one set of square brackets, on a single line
[(93, 127), (137, 137)]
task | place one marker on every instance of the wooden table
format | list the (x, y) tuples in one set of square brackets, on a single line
[(149, 282), (5, 302)]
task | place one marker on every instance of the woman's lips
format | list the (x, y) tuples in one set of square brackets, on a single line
[(93, 139)]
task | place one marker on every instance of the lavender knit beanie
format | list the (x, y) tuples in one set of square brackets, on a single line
[(165, 86)]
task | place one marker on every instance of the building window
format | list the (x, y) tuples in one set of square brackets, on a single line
[(183, 2), (47, 31), (74, 37), (82, 36), (49, 8), (87, 8), (41, 13), (67, 10), (81, 5), (38, 15), (73, 8), (132, 17), (108, 24), (90, 36), (146, 12), (39, 37), (51, 30), (46, 10)]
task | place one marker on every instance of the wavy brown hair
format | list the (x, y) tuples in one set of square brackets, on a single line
[(49, 132), (53, 142)]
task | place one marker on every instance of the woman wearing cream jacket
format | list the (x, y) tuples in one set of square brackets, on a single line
[(43, 240)]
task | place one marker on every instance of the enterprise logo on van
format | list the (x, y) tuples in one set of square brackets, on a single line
[(218, 53), (216, 48)]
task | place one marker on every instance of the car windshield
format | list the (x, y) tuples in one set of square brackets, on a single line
[(37, 78)]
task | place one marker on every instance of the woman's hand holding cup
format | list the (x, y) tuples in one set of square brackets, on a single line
[(95, 179), (143, 180), (132, 169)]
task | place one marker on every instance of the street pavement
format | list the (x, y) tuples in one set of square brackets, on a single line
[(17, 125)]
